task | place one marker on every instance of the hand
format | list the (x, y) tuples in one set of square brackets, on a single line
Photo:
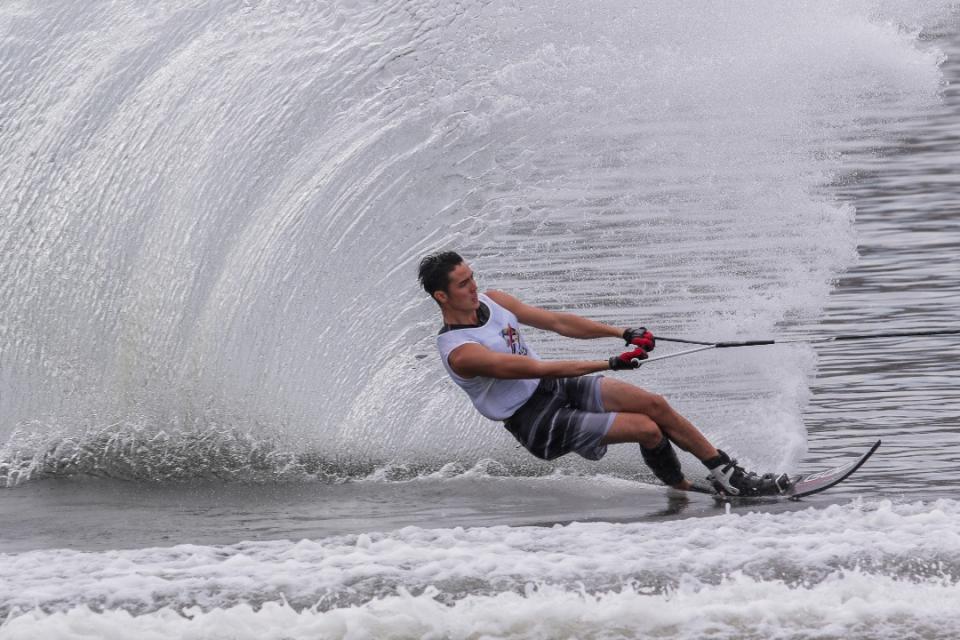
[(628, 359), (641, 338)]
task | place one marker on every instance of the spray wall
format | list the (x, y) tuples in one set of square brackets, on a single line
[(212, 214)]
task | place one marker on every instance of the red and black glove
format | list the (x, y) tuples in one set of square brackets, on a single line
[(628, 359), (640, 338)]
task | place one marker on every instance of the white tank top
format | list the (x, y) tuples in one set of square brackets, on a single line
[(495, 398)]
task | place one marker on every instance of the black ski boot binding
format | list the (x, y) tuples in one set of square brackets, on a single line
[(730, 479)]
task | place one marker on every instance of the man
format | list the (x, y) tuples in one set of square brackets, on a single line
[(553, 407)]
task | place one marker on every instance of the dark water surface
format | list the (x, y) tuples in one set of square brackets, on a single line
[(903, 391)]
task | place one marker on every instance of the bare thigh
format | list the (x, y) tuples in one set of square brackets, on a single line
[(629, 399), (621, 396), (633, 427)]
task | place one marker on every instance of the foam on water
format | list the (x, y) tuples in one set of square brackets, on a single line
[(850, 604), (868, 568)]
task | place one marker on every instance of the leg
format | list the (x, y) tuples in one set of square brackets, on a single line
[(626, 398), (728, 477), (655, 446), (634, 427)]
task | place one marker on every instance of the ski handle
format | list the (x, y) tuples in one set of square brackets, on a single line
[(703, 346)]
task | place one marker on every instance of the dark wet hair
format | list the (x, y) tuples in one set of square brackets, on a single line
[(435, 270)]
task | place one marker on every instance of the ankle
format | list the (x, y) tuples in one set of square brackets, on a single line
[(713, 462)]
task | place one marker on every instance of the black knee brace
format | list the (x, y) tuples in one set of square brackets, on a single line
[(662, 460)]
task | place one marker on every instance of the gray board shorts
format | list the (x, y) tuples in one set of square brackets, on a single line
[(563, 415)]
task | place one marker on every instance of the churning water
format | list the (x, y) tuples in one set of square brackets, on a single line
[(211, 332)]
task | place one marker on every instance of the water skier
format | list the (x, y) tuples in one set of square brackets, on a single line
[(553, 407)]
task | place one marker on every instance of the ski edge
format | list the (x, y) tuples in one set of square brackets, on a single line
[(853, 466)]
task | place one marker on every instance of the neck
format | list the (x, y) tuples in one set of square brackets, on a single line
[(456, 316)]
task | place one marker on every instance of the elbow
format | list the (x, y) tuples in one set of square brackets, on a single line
[(567, 326)]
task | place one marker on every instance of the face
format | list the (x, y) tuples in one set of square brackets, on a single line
[(461, 295)]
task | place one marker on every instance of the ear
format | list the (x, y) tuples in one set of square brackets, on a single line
[(441, 297)]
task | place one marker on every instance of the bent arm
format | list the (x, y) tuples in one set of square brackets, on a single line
[(471, 360), (566, 324)]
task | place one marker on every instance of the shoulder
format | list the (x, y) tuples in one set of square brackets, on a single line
[(503, 299), (525, 313)]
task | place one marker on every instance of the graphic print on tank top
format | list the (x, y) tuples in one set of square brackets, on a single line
[(511, 335)]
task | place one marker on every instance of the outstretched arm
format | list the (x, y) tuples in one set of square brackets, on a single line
[(471, 360), (566, 324)]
